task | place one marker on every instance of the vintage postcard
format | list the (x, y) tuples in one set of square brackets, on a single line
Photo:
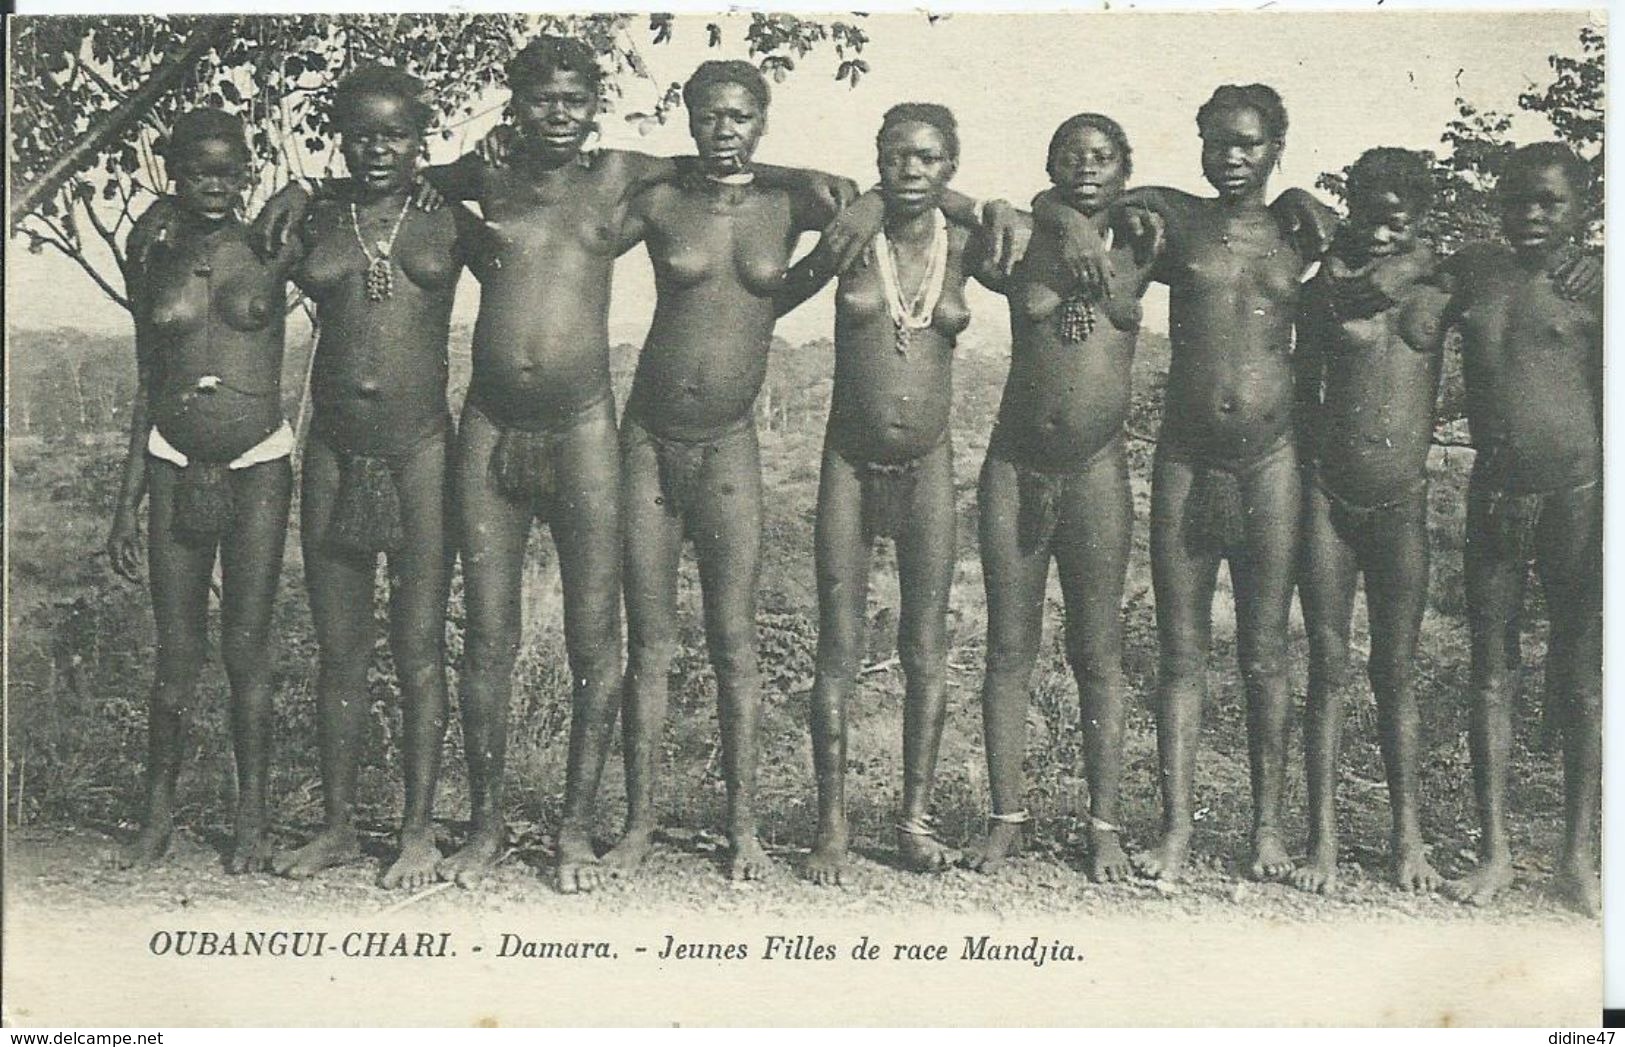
[(764, 519)]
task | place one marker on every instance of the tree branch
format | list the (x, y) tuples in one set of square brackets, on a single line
[(78, 256)]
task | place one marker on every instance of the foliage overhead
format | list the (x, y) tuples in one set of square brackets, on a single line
[(1476, 145)]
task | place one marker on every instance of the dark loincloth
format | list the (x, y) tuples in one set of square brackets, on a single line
[(524, 463), (367, 517), (1356, 523), (888, 491), (682, 462), (1215, 519)]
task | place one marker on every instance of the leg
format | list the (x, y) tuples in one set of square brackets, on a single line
[(587, 534), (420, 579), (842, 565), (491, 532), (1494, 584), (727, 529), (1569, 560), (340, 590), (1092, 542), (1327, 575), (250, 568), (925, 564), (178, 574), (1263, 577), (1014, 579), (653, 544), (1396, 585), (1183, 581)]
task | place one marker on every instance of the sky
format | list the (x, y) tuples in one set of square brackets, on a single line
[(1350, 81)]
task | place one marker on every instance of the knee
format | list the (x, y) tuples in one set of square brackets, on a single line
[(733, 650), (838, 653), (924, 658), (1181, 659), (1007, 656), (1093, 667), (594, 654), (419, 654), (493, 652), (246, 654), (649, 656), (180, 661), (1263, 664), (1329, 661)]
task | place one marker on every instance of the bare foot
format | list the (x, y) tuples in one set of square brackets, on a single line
[(1270, 860), (414, 867), (1166, 861), (477, 857), (147, 849), (627, 855), (921, 853), (250, 853), (747, 860), (826, 865), (1003, 842), (1577, 888), (1107, 861), (1482, 885), (328, 848), (1412, 872), (1318, 873), (578, 867)]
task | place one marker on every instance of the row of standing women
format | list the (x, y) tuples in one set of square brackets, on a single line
[(1299, 466)]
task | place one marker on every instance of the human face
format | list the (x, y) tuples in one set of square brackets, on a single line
[(1238, 153), (1088, 169), (210, 177), (381, 144), (1540, 209), (726, 123), (915, 167), (1381, 225), (556, 114)]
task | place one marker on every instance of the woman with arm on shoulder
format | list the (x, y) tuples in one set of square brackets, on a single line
[(720, 243), (888, 468), (376, 472), (210, 450), (1055, 486)]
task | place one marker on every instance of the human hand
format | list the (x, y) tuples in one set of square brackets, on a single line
[(853, 228), (497, 145), (124, 546), (1007, 232)]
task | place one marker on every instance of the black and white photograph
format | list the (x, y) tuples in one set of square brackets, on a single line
[(832, 519)]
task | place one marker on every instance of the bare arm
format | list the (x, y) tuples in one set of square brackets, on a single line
[(124, 540), (1317, 328), (804, 279)]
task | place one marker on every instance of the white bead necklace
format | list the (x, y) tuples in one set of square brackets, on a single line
[(916, 313)]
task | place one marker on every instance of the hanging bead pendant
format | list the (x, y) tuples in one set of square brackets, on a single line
[(901, 327), (1077, 319), (380, 282)]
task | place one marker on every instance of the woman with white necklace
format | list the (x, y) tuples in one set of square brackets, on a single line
[(888, 469)]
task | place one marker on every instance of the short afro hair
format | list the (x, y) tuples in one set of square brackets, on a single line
[(1406, 173), (204, 125), (1260, 98), (1104, 124), (381, 81), (733, 71), (1530, 158), (932, 115), (538, 60)]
